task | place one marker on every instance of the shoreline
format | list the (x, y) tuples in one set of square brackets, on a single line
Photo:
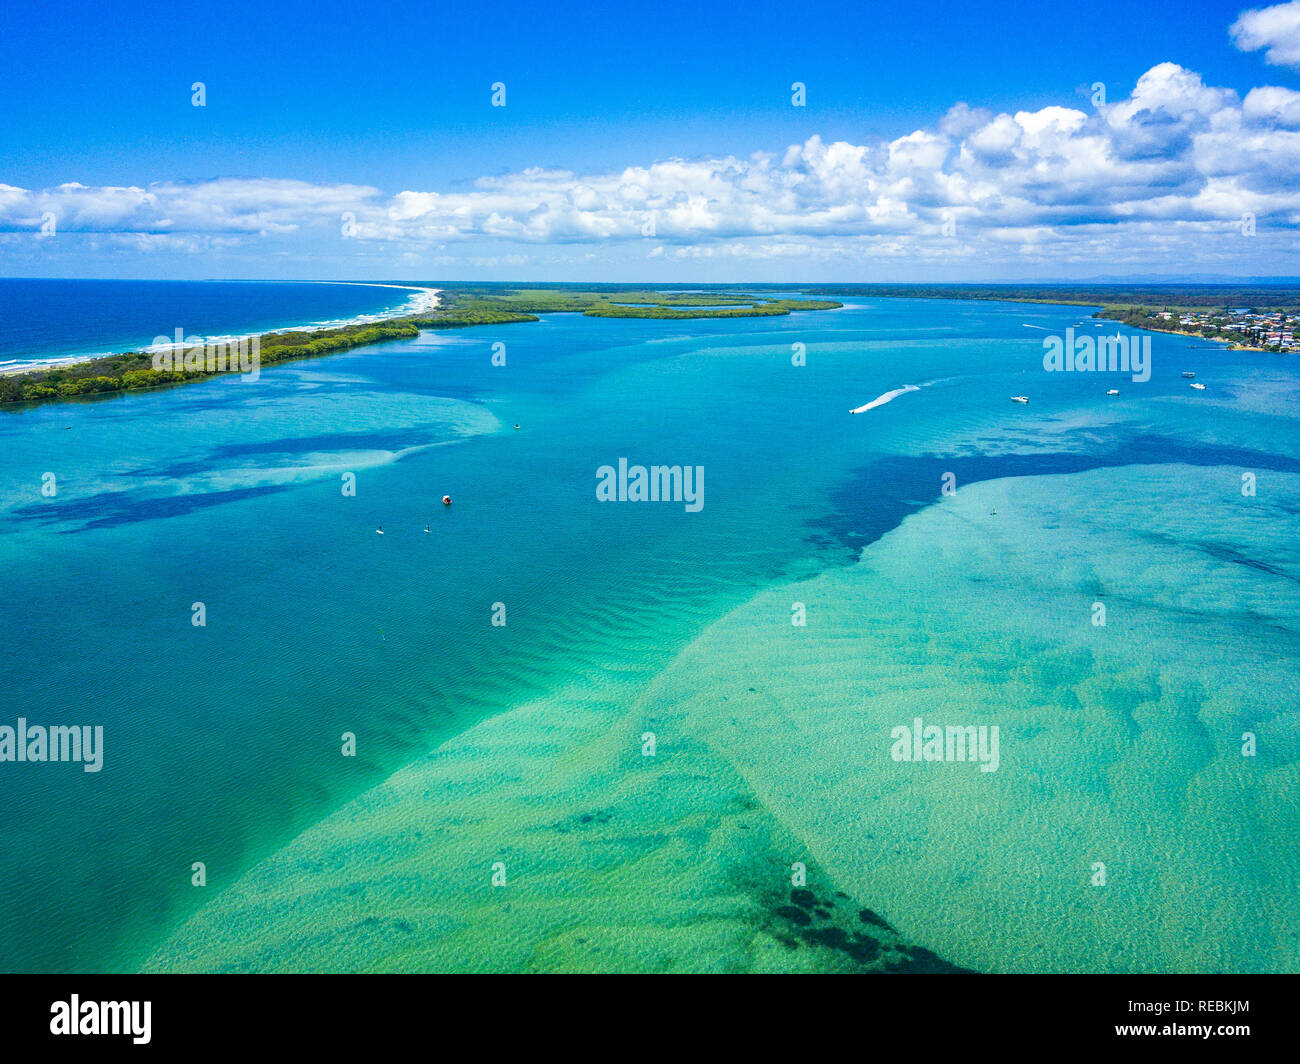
[(465, 305), (427, 301), (1230, 345), (514, 817), (137, 371), (424, 301)]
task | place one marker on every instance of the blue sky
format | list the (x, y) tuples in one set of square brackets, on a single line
[(330, 99)]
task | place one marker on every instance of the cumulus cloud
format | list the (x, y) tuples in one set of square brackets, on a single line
[(1275, 28), (1175, 160), (1272, 105)]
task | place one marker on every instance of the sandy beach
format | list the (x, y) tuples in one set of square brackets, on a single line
[(424, 301)]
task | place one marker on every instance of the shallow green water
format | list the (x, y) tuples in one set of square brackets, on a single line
[(523, 743)]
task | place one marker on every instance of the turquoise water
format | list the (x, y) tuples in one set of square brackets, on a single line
[(523, 743)]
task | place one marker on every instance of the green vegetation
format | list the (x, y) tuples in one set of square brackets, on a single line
[(1257, 316), (134, 370), (1201, 297), (460, 307), (1216, 308), (562, 299), (1267, 329), (1245, 315), (617, 301), (674, 310)]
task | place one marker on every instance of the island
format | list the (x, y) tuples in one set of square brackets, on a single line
[(460, 307), (1260, 317)]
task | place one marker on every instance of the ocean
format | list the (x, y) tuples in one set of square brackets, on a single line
[(49, 320), (558, 733)]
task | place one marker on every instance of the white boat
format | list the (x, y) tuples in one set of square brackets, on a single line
[(1113, 391), (1198, 386), (1020, 398)]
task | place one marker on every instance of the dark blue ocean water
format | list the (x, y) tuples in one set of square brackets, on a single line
[(41, 319)]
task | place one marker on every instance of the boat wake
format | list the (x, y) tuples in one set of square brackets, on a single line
[(889, 397)]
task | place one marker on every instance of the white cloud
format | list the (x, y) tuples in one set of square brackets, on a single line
[(1175, 164), (1275, 28), (1271, 105)]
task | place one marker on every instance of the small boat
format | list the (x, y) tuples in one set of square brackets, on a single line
[(380, 530), (1020, 398), (1113, 391), (427, 530), (446, 500), (1188, 374), (1198, 386)]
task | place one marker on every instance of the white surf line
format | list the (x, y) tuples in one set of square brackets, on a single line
[(1026, 325), (15, 367), (881, 400), (425, 300)]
